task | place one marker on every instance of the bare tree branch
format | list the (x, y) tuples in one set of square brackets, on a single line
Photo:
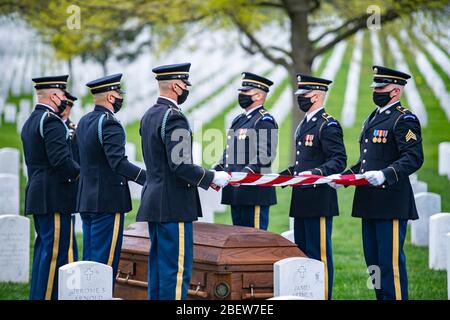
[(361, 23), (260, 48), (342, 26)]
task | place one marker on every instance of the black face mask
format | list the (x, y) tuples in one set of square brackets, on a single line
[(245, 100), (117, 105), (381, 98), (62, 105), (304, 103), (183, 96)]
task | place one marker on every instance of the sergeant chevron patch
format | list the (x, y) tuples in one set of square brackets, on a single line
[(410, 135)]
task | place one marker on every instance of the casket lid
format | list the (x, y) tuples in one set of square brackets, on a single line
[(221, 236)]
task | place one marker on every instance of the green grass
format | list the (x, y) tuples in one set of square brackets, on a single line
[(350, 269)]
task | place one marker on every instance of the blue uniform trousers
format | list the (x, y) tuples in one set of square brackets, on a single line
[(102, 238), (250, 216), (313, 237), (170, 260), (51, 248), (383, 247)]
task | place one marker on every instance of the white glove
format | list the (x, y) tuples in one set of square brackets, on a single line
[(375, 178), (333, 184), (221, 178), (304, 172)]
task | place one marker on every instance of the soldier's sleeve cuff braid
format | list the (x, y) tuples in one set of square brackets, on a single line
[(396, 176), (140, 170), (204, 172), (321, 173)]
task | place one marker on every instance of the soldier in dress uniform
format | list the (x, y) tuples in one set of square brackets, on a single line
[(170, 200), (319, 150), (251, 147), (103, 193), (390, 150), (73, 248), (51, 171)]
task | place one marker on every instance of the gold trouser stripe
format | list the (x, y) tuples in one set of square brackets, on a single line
[(114, 239), (180, 261), (395, 259), (51, 272), (71, 242), (257, 217), (323, 252)]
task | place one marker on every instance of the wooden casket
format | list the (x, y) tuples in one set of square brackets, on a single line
[(230, 262)]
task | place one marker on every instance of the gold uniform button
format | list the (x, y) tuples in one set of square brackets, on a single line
[(298, 152), (299, 143), (362, 170), (364, 161), (365, 150), (383, 186), (296, 162), (189, 185), (295, 173), (367, 140)]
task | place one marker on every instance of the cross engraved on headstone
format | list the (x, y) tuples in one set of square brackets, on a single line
[(88, 273)]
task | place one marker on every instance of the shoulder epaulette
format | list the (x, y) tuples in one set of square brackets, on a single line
[(402, 109), (327, 116)]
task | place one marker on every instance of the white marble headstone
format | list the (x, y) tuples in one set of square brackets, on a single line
[(10, 113), (9, 161), (130, 151), (427, 204), (14, 248), (298, 276), (419, 186), (444, 158), (289, 235), (9, 194), (439, 227), (85, 280)]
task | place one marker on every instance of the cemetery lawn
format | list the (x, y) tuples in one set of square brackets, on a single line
[(350, 270)]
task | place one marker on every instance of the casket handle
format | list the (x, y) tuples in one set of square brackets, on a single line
[(129, 281), (197, 292), (252, 295)]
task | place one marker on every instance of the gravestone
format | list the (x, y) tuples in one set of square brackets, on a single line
[(85, 280), (208, 204), (419, 186), (130, 151), (10, 113), (78, 223), (427, 204), (289, 235), (136, 189), (14, 248), (439, 227), (9, 161), (9, 194), (444, 158), (299, 276)]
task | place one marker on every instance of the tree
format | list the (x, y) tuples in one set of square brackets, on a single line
[(171, 18)]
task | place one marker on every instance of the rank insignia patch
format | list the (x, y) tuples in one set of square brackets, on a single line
[(410, 135)]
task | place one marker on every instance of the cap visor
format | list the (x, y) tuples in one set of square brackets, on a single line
[(245, 88), (378, 84), (302, 91), (187, 82)]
